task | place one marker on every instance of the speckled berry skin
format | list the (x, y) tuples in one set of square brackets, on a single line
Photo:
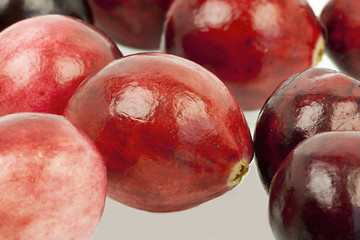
[(133, 23), (53, 179), (15, 10), (171, 133), (43, 59), (316, 100), (315, 193), (341, 21), (251, 45)]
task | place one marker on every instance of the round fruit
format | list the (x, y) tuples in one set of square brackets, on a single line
[(171, 133), (315, 193), (134, 23), (341, 21), (43, 59), (251, 45), (53, 179), (316, 100), (12, 11)]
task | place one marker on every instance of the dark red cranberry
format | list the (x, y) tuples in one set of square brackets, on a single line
[(316, 100), (315, 195)]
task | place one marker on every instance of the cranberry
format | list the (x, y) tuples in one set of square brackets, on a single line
[(171, 133), (315, 193), (43, 60), (251, 45), (12, 11), (316, 100), (341, 21), (134, 23)]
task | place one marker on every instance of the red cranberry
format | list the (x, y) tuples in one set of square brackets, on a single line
[(340, 18), (251, 45), (171, 133)]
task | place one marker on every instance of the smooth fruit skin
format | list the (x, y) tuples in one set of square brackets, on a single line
[(315, 193), (43, 59), (171, 133), (134, 23), (316, 100), (342, 24), (251, 45), (53, 179), (12, 11)]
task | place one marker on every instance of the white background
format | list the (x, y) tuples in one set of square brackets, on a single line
[(239, 214)]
